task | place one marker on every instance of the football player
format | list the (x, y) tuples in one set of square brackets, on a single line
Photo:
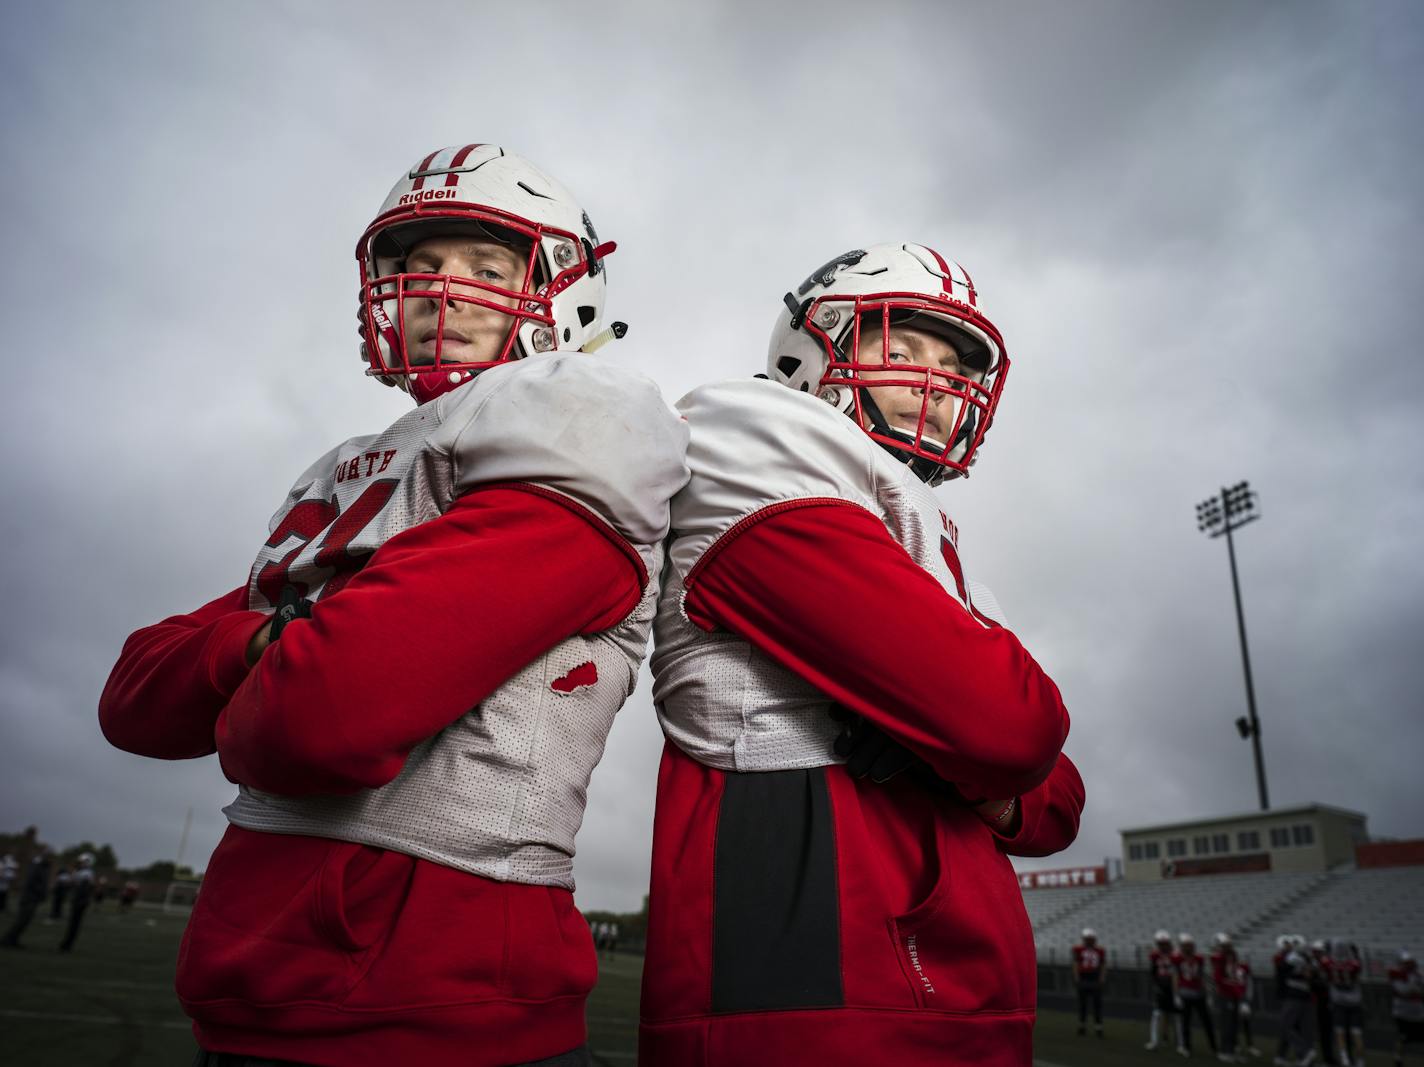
[(1189, 989), (415, 682), (1407, 1004), (1164, 1001), (1232, 976), (1090, 971), (1296, 971), (837, 890), (1320, 998), (1343, 970)]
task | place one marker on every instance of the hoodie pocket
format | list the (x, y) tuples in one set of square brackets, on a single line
[(967, 946), (287, 918), (919, 934)]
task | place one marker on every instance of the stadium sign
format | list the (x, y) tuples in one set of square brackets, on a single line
[(1068, 878)]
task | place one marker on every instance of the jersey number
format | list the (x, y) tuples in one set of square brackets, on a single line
[(951, 560), (309, 518)]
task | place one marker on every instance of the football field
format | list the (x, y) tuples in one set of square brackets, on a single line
[(111, 1004)]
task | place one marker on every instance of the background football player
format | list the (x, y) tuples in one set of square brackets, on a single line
[(1297, 1030), (415, 682), (1320, 998), (1160, 976), (1090, 971), (1406, 1004), (1343, 969), (1189, 987), (854, 904), (1232, 977)]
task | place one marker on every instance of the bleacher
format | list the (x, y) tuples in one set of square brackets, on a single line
[(1381, 910)]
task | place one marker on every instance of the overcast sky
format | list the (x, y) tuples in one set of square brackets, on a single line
[(1198, 225)]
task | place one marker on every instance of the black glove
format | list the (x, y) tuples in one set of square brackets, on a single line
[(290, 605), (869, 751)]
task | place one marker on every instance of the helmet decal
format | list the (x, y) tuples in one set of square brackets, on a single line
[(827, 273)]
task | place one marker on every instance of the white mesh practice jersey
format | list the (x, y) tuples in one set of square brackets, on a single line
[(500, 792), (757, 444)]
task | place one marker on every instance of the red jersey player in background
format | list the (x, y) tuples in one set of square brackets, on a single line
[(1321, 1002), (1189, 990), (1090, 972), (1232, 977), (1161, 979), (415, 682), (1343, 970), (821, 892), (1407, 1005)]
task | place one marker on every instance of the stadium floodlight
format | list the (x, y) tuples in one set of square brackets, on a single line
[(1217, 516)]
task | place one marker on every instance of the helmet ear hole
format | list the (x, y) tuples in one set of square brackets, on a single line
[(788, 365)]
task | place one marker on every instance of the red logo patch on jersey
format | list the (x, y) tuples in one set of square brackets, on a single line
[(584, 674)]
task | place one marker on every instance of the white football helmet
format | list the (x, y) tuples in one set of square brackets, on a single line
[(487, 192), (1223, 939), (1089, 934), (1162, 936), (1185, 939), (815, 347)]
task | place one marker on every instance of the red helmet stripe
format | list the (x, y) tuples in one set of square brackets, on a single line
[(970, 280), (424, 166), (947, 279), (459, 161)]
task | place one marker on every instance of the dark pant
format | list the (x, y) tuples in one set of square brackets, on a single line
[(573, 1058), (1230, 1019), (1325, 1027), (1196, 1006), (76, 916), (56, 907), (28, 906), (1295, 1025), (1090, 993)]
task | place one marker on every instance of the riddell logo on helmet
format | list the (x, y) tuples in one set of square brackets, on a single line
[(427, 194)]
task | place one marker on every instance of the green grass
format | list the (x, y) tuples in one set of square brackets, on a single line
[(110, 1004)]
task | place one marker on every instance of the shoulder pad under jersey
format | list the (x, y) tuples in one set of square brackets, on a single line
[(579, 425), (985, 602), (314, 473), (756, 443)]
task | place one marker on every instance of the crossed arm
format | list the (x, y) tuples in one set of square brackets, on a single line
[(438, 619), (826, 592)]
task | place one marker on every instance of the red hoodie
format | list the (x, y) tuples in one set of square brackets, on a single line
[(330, 952), (915, 937)]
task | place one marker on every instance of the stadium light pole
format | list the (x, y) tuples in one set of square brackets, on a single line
[(1219, 515)]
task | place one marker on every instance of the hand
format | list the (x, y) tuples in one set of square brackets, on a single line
[(291, 605), (868, 750), (997, 814), (1177, 1003), (258, 644)]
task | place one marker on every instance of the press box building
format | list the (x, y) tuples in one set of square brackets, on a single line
[(1312, 837)]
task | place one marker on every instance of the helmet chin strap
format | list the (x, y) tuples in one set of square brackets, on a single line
[(926, 470)]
